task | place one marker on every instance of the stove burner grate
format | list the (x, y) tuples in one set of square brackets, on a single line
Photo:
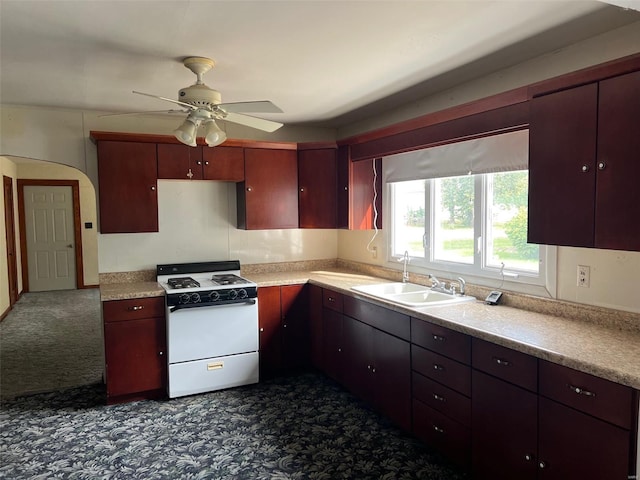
[(182, 282)]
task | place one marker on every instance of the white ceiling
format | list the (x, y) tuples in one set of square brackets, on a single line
[(322, 62)]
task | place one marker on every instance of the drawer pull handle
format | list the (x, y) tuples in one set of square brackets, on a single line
[(438, 338), (331, 299), (581, 391), (438, 429), (135, 308), (438, 367), (502, 361), (438, 397)]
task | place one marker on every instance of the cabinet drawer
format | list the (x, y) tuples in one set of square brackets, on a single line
[(598, 397), (450, 373), (442, 340), (122, 310), (514, 367), (332, 300), (449, 402), (450, 437), (379, 317)]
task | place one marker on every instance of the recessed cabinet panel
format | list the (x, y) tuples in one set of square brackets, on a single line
[(617, 215), (317, 188), (562, 169), (180, 162), (127, 177), (268, 198), (223, 163)]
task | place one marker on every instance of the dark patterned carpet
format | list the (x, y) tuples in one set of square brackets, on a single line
[(302, 427)]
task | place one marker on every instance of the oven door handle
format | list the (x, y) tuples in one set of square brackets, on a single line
[(175, 308)]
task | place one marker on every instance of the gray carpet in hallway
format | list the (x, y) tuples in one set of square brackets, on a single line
[(51, 340)]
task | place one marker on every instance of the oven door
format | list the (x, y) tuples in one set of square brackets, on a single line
[(212, 331)]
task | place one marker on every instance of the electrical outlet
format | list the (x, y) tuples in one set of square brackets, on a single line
[(374, 252), (583, 276)]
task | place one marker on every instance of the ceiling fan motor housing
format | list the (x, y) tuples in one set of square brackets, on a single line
[(199, 96)]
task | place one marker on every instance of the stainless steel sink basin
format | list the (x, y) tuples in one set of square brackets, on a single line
[(411, 294)]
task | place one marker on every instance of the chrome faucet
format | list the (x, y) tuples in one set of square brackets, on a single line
[(439, 286), (405, 260), (462, 284)]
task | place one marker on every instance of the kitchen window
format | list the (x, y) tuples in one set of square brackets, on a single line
[(461, 210)]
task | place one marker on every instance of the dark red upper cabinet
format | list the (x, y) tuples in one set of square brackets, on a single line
[(181, 162), (317, 179), (583, 165), (268, 197), (223, 163), (127, 178)]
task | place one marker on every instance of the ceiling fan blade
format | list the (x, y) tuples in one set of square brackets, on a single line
[(259, 106), (190, 107), (253, 122), (150, 112)]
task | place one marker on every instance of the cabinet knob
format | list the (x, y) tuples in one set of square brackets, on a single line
[(302, 189), (542, 465), (346, 188), (249, 189), (153, 188), (261, 329), (528, 457), (601, 165), (161, 353), (206, 162), (198, 162), (339, 350), (284, 325), (585, 168)]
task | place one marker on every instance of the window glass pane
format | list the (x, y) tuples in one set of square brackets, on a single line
[(453, 235), (507, 222), (408, 217)]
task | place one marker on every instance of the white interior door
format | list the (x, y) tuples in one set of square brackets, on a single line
[(50, 237)]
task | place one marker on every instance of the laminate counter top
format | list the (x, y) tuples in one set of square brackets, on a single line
[(126, 290), (602, 348)]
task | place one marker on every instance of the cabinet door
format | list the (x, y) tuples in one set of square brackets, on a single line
[(179, 162), (268, 198), (366, 195), (617, 195), (269, 317), (317, 188), (316, 327), (343, 187), (333, 354), (358, 358), (504, 429), (392, 377), (576, 445), (223, 163), (562, 167), (295, 326), (127, 177), (135, 356)]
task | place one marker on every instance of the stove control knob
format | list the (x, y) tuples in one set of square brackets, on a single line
[(184, 298), (233, 294), (214, 296), (195, 298), (242, 293)]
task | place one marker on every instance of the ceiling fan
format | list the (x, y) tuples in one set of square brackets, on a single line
[(204, 106)]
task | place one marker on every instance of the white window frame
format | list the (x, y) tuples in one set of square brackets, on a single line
[(543, 284)]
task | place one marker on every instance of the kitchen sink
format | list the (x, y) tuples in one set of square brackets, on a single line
[(411, 294)]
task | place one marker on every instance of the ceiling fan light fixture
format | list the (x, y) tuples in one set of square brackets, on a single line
[(213, 135), (186, 132)]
